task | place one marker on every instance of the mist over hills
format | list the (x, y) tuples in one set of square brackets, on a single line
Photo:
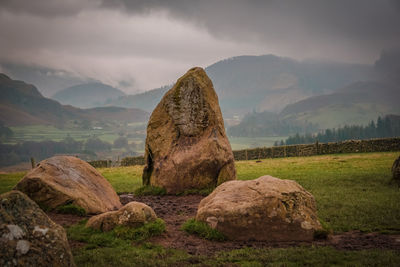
[(357, 103), (146, 101), (49, 81), (283, 94), (22, 104), (263, 83), (87, 95)]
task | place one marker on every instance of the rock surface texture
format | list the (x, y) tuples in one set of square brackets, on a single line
[(396, 170), (28, 237), (186, 144), (133, 214), (268, 209), (65, 180)]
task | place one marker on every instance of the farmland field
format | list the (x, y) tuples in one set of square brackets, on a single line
[(352, 191), (42, 132)]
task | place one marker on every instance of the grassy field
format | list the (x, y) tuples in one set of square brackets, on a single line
[(39, 133), (352, 191), (238, 143)]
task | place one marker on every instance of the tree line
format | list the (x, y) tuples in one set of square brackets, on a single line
[(388, 126)]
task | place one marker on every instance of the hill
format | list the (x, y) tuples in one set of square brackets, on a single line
[(357, 103), (49, 80), (23, 104), (146, 101), (87, 95), (263, 83)]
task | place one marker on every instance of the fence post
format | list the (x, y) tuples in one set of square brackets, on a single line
[(33, 162)]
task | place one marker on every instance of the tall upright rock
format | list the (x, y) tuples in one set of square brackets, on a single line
[(186, 144)]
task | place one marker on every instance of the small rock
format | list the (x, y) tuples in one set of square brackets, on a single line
[(134, 214)]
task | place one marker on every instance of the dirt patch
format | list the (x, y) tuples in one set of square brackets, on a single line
[(65, 219), (175, 210)]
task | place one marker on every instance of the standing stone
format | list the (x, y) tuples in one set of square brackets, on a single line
[(267, 209), (186, 144), (63, 180), (28, 237)]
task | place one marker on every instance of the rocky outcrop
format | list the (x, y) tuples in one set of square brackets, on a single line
[(396, 170), (65, 180), (28, 237), (133, 214), (266, 208), (186, 144)]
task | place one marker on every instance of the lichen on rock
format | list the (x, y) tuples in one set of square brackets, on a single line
[(28, 237)]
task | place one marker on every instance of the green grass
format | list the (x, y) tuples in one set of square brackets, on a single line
[(142, 233), (71, 209), (9, 180), (306, 256), (123, 179), (352, 191), (119, 236), (238, 143), (150, 191), (203, 230), (152, 255)]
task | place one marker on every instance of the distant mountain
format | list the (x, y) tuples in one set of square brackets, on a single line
[(388, 66), (146, 101), (357, 103), (48, 80), (258, 124), (87, 95), (23, 104), (264, 83)]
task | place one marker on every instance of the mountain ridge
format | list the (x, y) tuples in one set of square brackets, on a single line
[(87, 95), (23, 104)]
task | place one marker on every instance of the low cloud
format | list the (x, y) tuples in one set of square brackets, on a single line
[(153, 42)]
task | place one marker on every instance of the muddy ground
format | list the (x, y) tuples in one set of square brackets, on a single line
[(175, 210)]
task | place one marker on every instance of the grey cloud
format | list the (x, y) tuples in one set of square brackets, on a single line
[(149, 42), (368, 23), (48, 8)]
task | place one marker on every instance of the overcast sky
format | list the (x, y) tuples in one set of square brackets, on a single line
[(138, 45)]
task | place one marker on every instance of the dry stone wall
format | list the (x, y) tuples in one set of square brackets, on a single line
[(351, 146)]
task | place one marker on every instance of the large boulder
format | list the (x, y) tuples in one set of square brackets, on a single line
[(186, 145), (134, 214), (396, 170), (65, 180), (28, 237), (267, 208)]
